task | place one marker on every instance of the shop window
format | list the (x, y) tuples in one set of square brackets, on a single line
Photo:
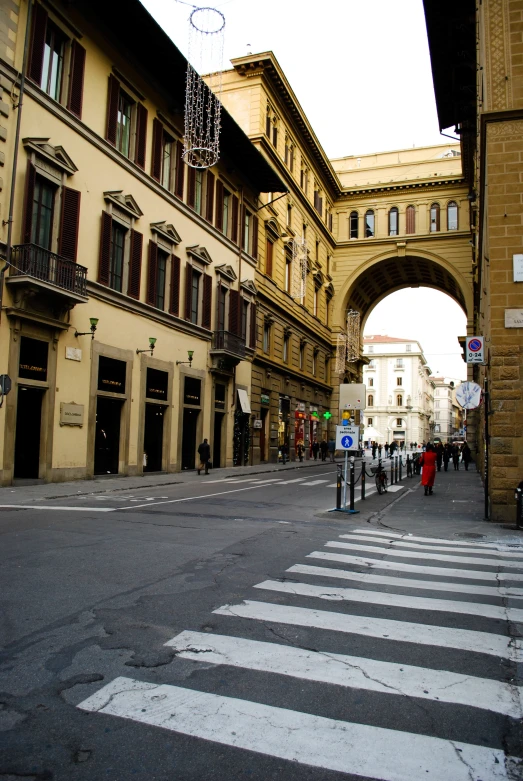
[(111, 375), (393, 222), (156, 384), (353, 225), (434, 218), (33, 359), (452, 216), (369, 224)]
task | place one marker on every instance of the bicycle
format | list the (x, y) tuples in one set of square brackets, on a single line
[(381, 478)]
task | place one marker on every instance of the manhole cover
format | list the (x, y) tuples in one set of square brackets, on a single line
[(471, 536)]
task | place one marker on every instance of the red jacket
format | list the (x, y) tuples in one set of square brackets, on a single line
[(428, 462)]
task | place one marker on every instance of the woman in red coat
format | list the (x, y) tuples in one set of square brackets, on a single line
[(428, 462)]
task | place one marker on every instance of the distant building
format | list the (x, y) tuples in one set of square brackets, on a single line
[(400, 390), (448, 415)]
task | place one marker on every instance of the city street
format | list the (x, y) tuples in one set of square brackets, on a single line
[(230, 627)]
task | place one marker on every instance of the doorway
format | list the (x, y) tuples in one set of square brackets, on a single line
[(190, 422), (28, 428), (217, 439), (153, 437), (107, 437)]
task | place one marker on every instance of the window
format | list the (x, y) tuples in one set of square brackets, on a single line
[(410, 226), (161, 272), (372, 364), (42, 213), (222, 307), (408, 348), (434, 218), (289, 154), (328, 308), (302, 355), (371, 382), (371, 349), (318, 201), (286, 340), (167, 175), (245, 317), (314, 362), (126, 123), (399, 422), (198, 190), (399, 400), (117, 256), (393, 222), (167, 165), (266, 337), (369, 421), (315, 301), (123, 124), (289, 215), (247, 219), (225, 211), (268, 122), (304, 180), (288, 271), (195, 295), (452, 216), (268, 257), (399, 380), (53, 64), (250, 233), (369, 224), (437, 404), (370, 401), (399, 363), (353, 225), (437, 416)]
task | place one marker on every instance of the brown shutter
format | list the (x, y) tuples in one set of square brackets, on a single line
[(151, 273), (411, 220), (141, 135), (135, 265), (69, 222), (156, 161), (207, 301), (180, 170), (38, 33), (210, 197), (76, 82), (254, 252), (234, 311), (174, 304), (188, 289), (219, 205), (243, 211), (268, 257), (191, 187), (28, 204), (112, 109), (234, 227), (104, 264), (254, 329)]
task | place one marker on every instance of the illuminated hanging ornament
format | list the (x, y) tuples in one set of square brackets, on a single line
[(202, 98), (353, 336), (341, 353)]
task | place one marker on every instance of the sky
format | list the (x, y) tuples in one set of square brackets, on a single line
[(361, 72)]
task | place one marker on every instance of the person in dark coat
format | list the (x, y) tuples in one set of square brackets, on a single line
[(447, 455), (439, 455), (379, 450), (428, 462), (323, 449), (315, 449), (386, 449), (455, 457), (466, 456), (204, 451), (374, 448)]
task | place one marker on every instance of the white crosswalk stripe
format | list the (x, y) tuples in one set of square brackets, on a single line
[(460, 666)]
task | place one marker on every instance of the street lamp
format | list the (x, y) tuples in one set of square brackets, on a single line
[(152, 342), (94, 323)]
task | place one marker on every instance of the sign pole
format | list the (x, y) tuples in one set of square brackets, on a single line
[(345, 480)]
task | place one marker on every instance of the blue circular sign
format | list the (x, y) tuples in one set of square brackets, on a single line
[(474, 345), (347, 441)]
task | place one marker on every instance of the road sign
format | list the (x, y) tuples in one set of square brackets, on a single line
[(468, 395), (352, 395), (347, 437), (475, 349)]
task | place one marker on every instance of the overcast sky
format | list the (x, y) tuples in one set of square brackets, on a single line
[(361, 71)]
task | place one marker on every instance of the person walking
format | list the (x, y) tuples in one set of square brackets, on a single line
[(204, 451), (428, 462), (374, 448), (331, 446), (392, 448), (439, 454), (315, 449), (455, 457), (386, 449), (323, 449), (299, 449), (447, 455), (379, 450), (466, 456)]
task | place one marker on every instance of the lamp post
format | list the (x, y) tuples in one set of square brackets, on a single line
[(94, 323), (150, 349), (190, 354)]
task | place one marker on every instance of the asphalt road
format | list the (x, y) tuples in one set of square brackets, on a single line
[(234, 629)]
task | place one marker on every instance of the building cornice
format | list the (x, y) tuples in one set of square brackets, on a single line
[(409, 185)]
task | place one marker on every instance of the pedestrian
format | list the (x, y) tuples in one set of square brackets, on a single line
[(455, 457), (204, 451), (439, 454), (447, 455), (386, 449), (299, 449), (323, 449), (331, 446), (402, 445), (379, 450), (315, 449), (466, 456), (283, 453), (374, 448), (428, 462), (392, 448)]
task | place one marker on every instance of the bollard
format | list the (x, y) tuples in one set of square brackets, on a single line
[(395, 469), (519, 506), (351, 488), (392, 471), (401, 467), (363, 474), (338, 486)]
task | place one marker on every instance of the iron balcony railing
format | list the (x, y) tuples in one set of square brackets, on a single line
[(225, 340), (40, 263)]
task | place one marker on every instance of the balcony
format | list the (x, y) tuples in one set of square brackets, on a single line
[(44, 285), (227, 349)]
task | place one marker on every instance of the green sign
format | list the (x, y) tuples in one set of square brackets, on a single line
[(327, 415)]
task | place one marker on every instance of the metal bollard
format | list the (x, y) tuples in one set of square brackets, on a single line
[(392, 471), (519, 505), (395, 469), (338, 486), (351, 487), (401, 467), (363, 474)]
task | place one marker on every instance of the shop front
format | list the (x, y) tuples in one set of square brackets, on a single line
[(110, 399), (284, 414), (191, 424), (301, 432), (156, 417)]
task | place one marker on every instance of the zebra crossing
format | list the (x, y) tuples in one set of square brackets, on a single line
[(415, 655), (301, 481)]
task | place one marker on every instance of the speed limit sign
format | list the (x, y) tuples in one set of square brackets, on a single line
[(475, 349)]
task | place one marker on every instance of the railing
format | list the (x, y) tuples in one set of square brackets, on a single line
[(225, 340), (40, 263)]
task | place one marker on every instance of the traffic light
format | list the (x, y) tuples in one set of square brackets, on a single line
[(327, 415)]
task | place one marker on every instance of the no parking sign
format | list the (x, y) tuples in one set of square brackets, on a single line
[(347, 437), (475, 349)]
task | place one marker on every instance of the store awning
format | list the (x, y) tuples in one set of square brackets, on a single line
[(245, 404)]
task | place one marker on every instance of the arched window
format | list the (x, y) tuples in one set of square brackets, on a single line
[(369, 224), (410, 220), (353, 225), (399, 400), (371, 382), (434, 218), (393, 222), (452, 216), (370, 402)]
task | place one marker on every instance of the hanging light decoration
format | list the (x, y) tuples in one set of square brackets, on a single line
[(341, 353), (353, 336)]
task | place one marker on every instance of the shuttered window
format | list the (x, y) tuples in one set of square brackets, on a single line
[(135, 264), (156, 275), (393, 222), (69, 223), (410, 220), (76, 82), (174, 301), (207, 301), (434, 218), (268, 257), (234, 312), (209, 205), (122, 111)]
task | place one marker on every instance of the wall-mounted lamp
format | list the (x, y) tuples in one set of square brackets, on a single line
[(94, 323), (152, 342), (190, 354)]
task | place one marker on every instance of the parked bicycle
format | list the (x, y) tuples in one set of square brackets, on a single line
[(380, 477)]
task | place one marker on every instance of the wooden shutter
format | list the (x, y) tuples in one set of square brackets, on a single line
[(112, 109), (188, 290), (174, 302), (69, 222), (135, 265), (141, 135), (36, 54), (411, 220), (76, 81), (243, 212), (152, 272), (254, 252), (219, 205), (268, 257), (234, 311), (207, 301), (209, 207), (104, 264), (234, 226), (28, 203), (156, 161), (180, 170), (191, 187), (254, 328)]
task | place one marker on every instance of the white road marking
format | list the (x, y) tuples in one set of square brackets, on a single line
[(350, 671), (360, 596), (413, 555), (45, 507), (388, 580), (296, 480), (315, 482), (371, 752), (449, 548), (383, 628), (394, 488), (414, 538), (415, 568)]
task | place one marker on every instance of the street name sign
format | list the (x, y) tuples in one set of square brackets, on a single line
[(347, 437)]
